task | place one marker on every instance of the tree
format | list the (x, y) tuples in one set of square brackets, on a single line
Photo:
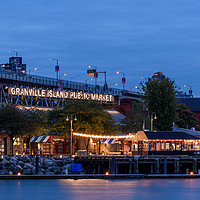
[(159, 97), (135, 118), (12, 121), (92, 118), (185, 117)]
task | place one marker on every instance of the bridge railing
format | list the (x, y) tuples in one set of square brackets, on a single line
[(65, 83)]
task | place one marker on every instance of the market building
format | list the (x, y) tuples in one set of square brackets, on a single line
[(165, 143)]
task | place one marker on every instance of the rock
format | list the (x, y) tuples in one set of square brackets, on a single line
[(48, 163), (49, 173), (13, 160), (28, 166), (55, 169), (6, 157), (26, 158), (4, 172), (21, 163), (17, 169), (10, 167), (6, 162), (59, 163), (27, 172)]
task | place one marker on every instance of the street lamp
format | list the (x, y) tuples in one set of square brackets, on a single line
[(89, 79), (34, 68), (71, 117), (190, 91), (62, 75), (123, 78), (56, 67), (115, 84), (153, 116)]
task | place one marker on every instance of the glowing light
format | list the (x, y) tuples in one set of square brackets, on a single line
[(191, 173), (103, 136), (61, 156), (117, 72), (107, 173), (18, 174)]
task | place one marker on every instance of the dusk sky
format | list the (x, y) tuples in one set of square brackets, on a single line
[(137, 37)]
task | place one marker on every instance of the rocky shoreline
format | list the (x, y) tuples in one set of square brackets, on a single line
[(26, 165)]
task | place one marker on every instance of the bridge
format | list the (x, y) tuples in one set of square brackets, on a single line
[(39, 91)]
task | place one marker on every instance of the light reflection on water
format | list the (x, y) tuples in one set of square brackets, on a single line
[(165, 189)]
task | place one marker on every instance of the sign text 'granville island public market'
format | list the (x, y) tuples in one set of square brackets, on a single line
[(59, 94)]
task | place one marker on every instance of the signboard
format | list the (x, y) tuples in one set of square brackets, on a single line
[(76, 167), (62, 94), (56, 68), (91, 71)]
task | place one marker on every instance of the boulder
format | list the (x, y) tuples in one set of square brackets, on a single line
[(13, 161), (48, 163), (27, 172), (6, 157), (6, 162), (26, 158), (55, 169), (17, 169), (28, 166), (21, 163), (49, 173)]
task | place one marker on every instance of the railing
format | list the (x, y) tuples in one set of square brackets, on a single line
[(65, 84)]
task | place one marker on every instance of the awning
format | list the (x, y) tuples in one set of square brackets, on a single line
[(108, 140), (40, 138)]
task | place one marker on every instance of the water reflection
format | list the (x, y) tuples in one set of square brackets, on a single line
[(165, 189)]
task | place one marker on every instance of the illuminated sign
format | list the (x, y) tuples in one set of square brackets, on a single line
[(60, 94), (91, 71)]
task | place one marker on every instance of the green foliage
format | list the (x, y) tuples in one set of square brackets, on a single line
[(134, 119), (185, 117), (159, 97), (12, 120), (91, 117)]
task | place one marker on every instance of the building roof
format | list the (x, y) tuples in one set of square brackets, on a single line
[(169, 135), (191, 132), (193, 103), (116, 116)]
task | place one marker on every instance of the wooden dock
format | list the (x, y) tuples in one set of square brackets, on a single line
[(139, 165)]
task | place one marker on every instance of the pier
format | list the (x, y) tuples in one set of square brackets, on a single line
[(139, 165)]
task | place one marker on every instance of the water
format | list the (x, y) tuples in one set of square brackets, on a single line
[(158, 189)]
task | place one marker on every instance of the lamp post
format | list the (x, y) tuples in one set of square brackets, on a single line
[(62, 75), (190, 91), (35, 68), (71, 117), (123, 78), (56, 67), (89, 79), (153, 116)]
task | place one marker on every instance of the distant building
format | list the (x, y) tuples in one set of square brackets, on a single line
[(14, 65), (158, 76)]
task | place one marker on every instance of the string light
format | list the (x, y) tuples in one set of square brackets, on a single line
[(103, 136)]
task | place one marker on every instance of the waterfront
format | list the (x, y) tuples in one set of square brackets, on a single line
[(100, 189)]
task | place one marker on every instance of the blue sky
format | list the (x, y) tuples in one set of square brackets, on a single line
[(137, 37)]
